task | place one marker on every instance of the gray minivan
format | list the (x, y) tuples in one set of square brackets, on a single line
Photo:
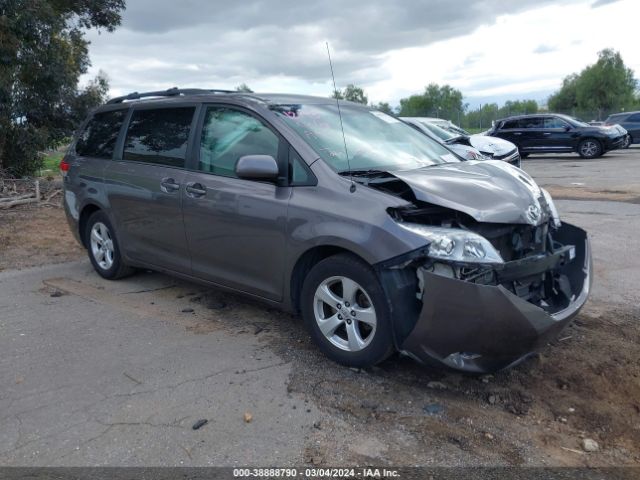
[(381, 238)]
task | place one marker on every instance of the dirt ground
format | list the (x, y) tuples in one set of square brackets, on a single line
[(585, 385), (35, 235)]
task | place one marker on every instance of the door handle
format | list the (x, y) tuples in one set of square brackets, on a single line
[(195, 190), (547, 133), (169, 185), (517, 133)]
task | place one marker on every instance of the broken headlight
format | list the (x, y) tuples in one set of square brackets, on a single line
[(456, 245), (555, 217)]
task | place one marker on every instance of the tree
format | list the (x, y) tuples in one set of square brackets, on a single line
[(488, 112), (566, 99), (42, 55), (440, 101), (384, 107), (243, 87), (351, 93), (607, 85)]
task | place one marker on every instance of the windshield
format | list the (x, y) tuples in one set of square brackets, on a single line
[(374, 140), (437, 131), (457, 130), (576, 122)]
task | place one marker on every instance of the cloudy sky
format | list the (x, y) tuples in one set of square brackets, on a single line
[(492, 50)]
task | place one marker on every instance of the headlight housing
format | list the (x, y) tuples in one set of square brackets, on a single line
[(471, 155), (555, 217), (456, 245)]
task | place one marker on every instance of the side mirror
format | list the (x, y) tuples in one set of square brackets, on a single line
[(257, 167), (567, 128)]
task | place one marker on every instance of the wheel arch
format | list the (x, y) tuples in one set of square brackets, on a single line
[(86, 212), (594, 138), (306, 261)]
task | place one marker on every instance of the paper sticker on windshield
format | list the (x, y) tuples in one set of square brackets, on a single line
[(384, 117)]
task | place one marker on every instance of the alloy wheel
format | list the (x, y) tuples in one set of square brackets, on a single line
[(102, 247), (589, 148), (344, 313)]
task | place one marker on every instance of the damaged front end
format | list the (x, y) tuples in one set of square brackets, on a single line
[(487, 299)]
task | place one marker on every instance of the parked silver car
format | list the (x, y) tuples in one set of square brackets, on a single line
[(491, 147), (380, 237), (459, 144)]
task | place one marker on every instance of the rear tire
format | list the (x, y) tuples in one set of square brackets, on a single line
[(347, 312), (590, 148), (103, 248)]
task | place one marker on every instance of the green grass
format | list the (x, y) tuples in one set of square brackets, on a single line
[(51, 162)]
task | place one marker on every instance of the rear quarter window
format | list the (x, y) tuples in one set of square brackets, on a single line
[(159, 136), (98, 139)]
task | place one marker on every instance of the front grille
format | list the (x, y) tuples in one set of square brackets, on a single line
[(514, 242), (522, 241)]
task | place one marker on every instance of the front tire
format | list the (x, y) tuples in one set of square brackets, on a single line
[(346, 311), (103, 248), (627, 142), (589, 148)]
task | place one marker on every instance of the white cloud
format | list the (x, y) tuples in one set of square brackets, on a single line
[(391, 49), (499, 60)]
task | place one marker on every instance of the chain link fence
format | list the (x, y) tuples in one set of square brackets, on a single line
[(481, 119)]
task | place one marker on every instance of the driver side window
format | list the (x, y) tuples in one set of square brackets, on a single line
[(227, 135)]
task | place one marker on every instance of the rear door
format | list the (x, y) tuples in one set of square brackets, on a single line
[(236, 228), (509, 130), (144, 186), (531, 136)]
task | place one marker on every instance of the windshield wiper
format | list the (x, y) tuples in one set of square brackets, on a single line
[(362, 173)]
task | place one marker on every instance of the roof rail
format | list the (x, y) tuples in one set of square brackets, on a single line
[(171, 92)]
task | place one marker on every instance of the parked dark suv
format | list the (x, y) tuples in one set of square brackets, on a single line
[(553, 133), (378, 235), (630, 121)]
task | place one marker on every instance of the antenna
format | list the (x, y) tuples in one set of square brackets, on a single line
[(344, 139)]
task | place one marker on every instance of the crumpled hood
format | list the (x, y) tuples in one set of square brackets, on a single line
[(489, 191), (496, 146)]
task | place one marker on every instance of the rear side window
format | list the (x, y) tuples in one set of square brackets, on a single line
[(634, 118), (159, 136), (534, 122), (229, 134), (100, 135), (508, 124)]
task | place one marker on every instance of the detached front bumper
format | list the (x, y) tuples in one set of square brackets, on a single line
[(482, 328)]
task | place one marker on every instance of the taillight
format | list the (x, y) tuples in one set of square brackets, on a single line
[(64, 166)]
